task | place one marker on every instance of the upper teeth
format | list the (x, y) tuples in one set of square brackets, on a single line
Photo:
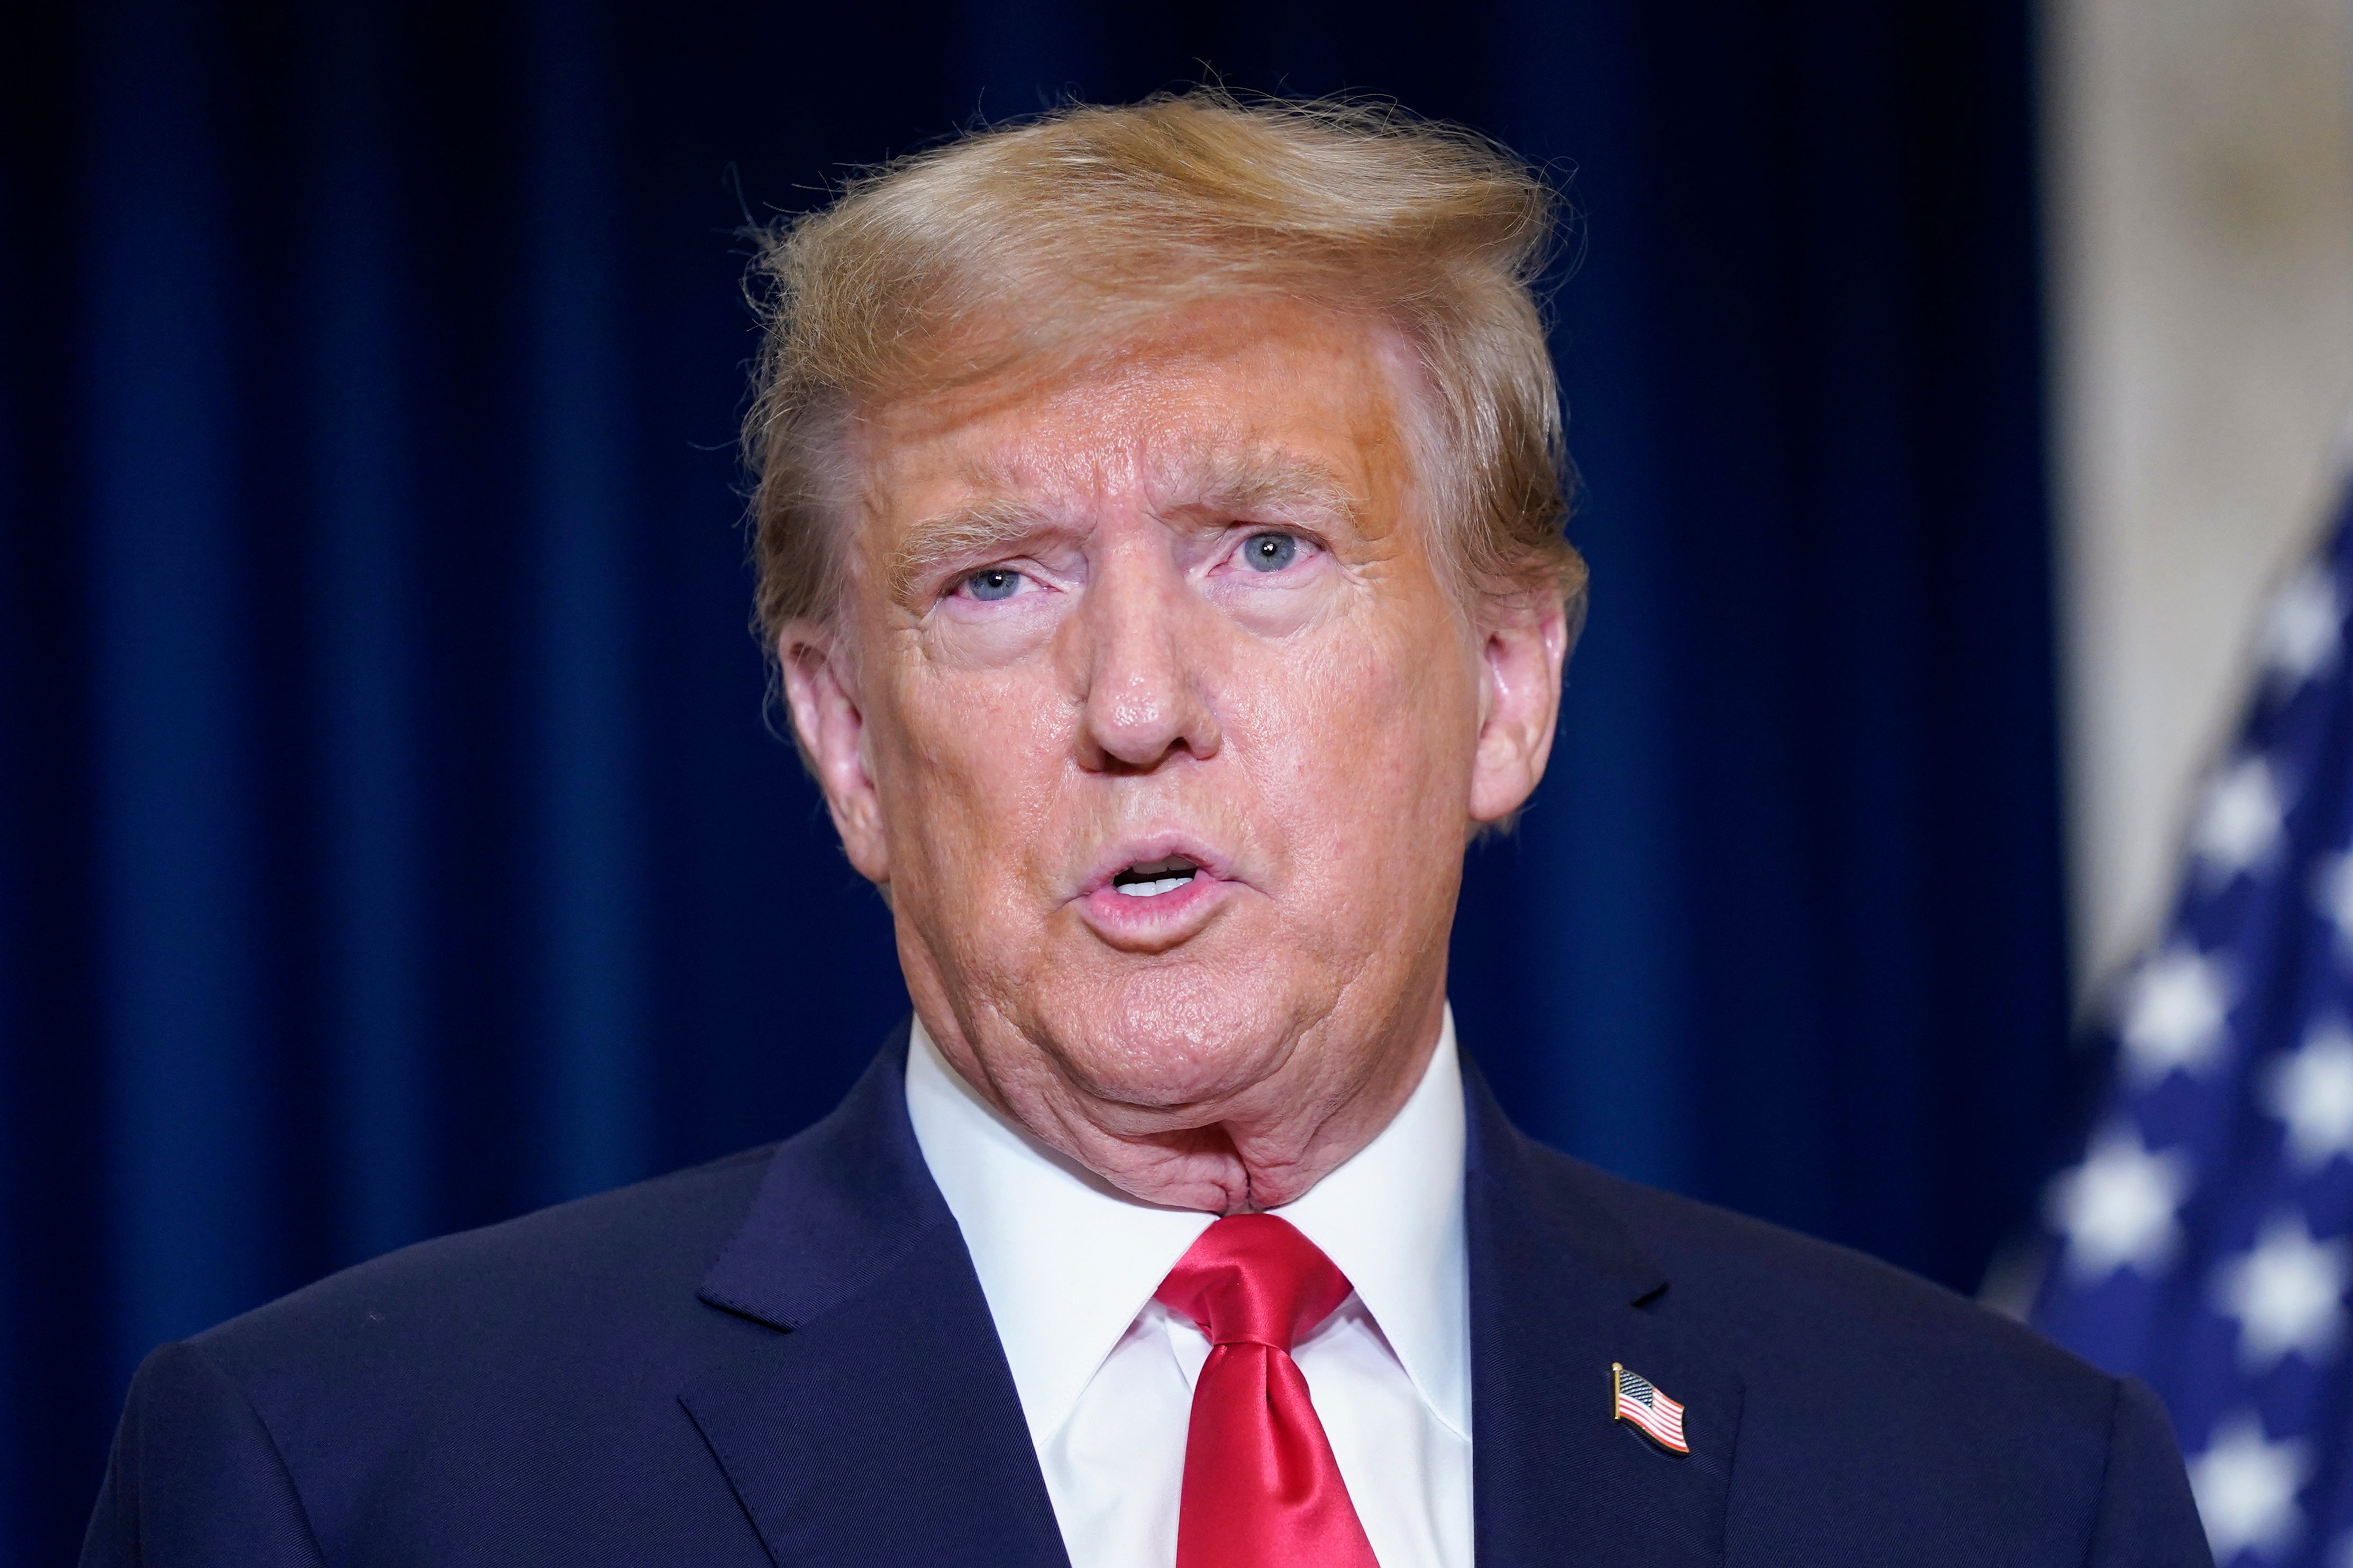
[(1150, 878)]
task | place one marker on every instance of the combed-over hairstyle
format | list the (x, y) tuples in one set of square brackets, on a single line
[(1057, 231)]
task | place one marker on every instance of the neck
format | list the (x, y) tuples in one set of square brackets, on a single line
[(1260, 1148)]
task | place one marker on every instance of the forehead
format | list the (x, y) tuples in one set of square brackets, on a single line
[(1217, 399)]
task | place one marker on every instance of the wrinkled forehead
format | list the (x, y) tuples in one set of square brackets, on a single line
[(1244, 404), (1164, 470)]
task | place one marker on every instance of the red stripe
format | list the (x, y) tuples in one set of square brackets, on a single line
[(1636, 1406), (1668, 1429)]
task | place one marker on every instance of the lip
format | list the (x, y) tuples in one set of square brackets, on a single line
[(1158, 923)]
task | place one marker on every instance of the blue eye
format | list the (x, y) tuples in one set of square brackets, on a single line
[(996, 583), (1270, 552)]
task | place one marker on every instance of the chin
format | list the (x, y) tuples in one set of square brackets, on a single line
[(1176, 1036)]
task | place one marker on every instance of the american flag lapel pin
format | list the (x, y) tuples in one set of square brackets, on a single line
[(1633, 1398)]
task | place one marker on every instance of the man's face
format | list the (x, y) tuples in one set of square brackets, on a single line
[(1153, 712)]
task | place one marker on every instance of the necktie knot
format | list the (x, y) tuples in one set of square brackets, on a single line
[(1253, 1280)]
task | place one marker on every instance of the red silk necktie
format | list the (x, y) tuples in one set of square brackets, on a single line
[(1262, 1489)]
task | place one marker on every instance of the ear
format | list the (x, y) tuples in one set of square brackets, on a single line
[(1519, 702), (829, 722)]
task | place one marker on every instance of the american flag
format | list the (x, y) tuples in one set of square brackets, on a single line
[(1646, 1407), (2203, 1242)]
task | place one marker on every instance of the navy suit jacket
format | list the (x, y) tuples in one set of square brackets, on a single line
[(786, 1358)]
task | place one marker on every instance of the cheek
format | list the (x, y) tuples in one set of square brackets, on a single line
[(1364, 747), (977, 759)]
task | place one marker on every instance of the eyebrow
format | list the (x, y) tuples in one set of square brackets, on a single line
[(1244, 484), (974, 531), (1258, 480)]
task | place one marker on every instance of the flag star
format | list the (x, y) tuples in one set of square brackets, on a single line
[(2311, 1090), (2238, 824), (2246, 1487), (2301, 632), (2117, 1208), (2288, 1294), (2174, 1016)]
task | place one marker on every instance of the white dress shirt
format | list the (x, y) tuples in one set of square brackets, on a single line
[(1106, 1373)]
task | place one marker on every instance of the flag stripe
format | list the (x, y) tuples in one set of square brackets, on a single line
[(1639, 1402)]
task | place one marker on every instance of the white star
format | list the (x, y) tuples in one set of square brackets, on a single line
[(2312, 1091), (2246, 1488), (2332, 896), (2238, 824), (2173, 1016), (2288, 1294), (2301, 631), (2116, 1208)]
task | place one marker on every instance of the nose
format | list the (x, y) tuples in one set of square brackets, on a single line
[(1143, 664)]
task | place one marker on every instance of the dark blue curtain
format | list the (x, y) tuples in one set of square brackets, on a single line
[(390, 840)]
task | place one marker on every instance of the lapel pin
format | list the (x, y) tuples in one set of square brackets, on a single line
[(1633, 1398)]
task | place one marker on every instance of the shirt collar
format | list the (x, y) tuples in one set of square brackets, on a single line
[(1067, 1260)]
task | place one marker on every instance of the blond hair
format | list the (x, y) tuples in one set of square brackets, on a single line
[(1006, 242)]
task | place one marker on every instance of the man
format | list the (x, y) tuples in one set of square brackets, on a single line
[(1159, 534)]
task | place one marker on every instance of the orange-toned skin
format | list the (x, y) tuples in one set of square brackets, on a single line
[(1321, 734)]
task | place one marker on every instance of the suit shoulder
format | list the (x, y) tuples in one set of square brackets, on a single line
[(1814, 1305), (1877, 1411), (619, 1253)]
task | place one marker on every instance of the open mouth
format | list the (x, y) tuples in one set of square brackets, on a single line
[(1150, 878)]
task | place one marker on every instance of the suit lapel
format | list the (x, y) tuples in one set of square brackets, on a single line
[(866, 1413), (1558, 1291)]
